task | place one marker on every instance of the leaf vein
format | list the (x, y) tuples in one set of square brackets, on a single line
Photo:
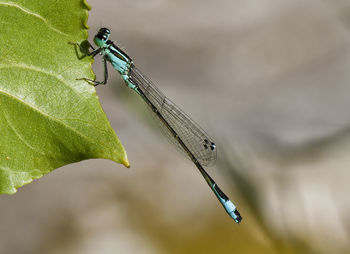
[(35, 15), (18, 134), (34, 68), (53, 118), (58, 77)]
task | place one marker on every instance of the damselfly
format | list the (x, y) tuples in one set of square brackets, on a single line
[(183, 131)]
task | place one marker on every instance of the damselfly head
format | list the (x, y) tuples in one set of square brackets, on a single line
[(102, 36)]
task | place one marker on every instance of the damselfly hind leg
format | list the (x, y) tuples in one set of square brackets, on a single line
[(95, 82)]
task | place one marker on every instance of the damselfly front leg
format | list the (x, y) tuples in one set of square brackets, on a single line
[(93, 54)]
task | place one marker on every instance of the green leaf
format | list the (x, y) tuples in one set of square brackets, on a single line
[(47, 118)]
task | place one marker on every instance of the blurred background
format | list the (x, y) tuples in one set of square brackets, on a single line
[(267, 79)]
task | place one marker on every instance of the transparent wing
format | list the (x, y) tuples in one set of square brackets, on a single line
[(193, 136)]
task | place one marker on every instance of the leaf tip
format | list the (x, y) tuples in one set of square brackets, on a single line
[(125, 162), (9, 191)]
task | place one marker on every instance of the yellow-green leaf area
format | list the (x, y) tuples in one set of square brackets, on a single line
[(48, 118)]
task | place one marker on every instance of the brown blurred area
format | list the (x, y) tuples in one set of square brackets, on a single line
[(268, 80)]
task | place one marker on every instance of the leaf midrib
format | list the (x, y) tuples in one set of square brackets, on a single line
[(53, 118)]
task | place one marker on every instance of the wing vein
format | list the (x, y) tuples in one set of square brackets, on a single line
[(193, 136)]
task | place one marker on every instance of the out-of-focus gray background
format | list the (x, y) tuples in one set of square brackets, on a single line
[(268, 79)]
